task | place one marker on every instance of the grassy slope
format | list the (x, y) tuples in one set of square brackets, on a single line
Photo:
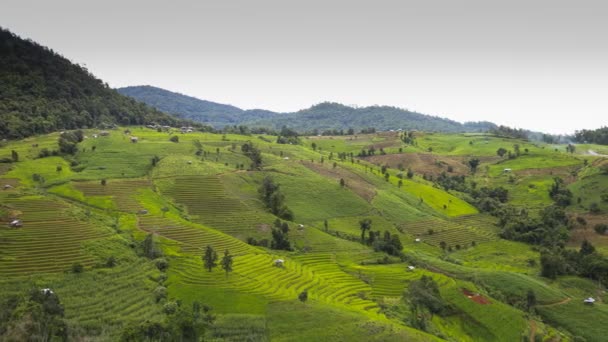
[(330, 268)]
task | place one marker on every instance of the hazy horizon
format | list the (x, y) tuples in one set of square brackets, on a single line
[(540, 66)]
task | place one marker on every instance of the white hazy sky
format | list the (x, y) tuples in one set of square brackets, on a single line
[(536, 64)]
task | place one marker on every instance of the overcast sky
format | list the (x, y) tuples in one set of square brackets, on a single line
[(541, 65)]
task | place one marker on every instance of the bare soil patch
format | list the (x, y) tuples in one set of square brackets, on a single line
[(421, 163), (356, 183), (476, 297)]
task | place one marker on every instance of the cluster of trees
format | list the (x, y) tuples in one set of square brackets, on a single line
[(210, 259), (43, 92), (274, 200), (596, 136), (288, 136), (486, 199), (424, 301), (280, 236), (551, 228), (252, 153), (68, 141), (585, 262), (386, 242), (409, 138), (559, 193), (38, 316), (501, 152), (179, 324)]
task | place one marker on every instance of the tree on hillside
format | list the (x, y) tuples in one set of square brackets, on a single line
[(150, 248), (303, 296), (473, 164), (570, 148), (227, 262), (209, 258), (501, 152), (365, 225), (516, 149), (253, 154), (342, 182), (273, 199), (530, 299), (425, 300), (14, 156)]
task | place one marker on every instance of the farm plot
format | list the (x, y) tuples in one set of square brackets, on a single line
[(122, 191), (208, 203), (193, 237), (48, 241), (451, 232)]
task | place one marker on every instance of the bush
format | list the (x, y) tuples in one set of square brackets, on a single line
[(170, 308), (160, 293), (77, 268), (111, 262), (174, 139), (162, 264), (601, 228)]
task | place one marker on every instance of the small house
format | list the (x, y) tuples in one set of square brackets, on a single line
[(189, 161), (300, 226), (7, 186), (142, 212), (104, 133), (589, 301), (417, 240), (134, 139), (279, 262), (286, 158), (411, 268), (506, 170), (15, 224), (47, 291)]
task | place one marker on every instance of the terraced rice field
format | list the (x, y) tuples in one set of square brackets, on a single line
[(122, 191), (461, 231), (194, 238), (49, 241), (114, 297), (208, 203)]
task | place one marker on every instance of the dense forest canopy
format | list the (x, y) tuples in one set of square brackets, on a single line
[(323, 116), (596, 136), (42, 91)]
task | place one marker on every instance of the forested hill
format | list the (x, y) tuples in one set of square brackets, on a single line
[(187, 107), (41, 91), (335, 116), (324, 116)]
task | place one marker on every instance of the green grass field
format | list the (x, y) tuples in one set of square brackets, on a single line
[(189, 201)]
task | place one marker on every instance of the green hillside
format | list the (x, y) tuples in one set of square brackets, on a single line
[(42, 92), (325, 116), (117, 232)]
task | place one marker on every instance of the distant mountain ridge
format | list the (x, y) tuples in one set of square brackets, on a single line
[(42, 91), (323, 116)]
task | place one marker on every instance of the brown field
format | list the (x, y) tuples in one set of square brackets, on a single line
[(476, 297), (356, 183), (421, 163)]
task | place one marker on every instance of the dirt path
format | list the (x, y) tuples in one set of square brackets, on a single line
[(567, 300), (593, 153), (532, 330)]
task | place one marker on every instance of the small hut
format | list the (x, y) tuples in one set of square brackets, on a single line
[(104, 133), (279, 263), (134, 139), (589, 301), (15, 224), (47, 291)]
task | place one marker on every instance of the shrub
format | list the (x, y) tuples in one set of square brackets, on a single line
[(174, 139), (601, 228), (162, 264), (160, 293), (77, 268)]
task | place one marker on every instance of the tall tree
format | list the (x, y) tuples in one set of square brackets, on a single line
[(227, 262), (365, 225), (210, 258)]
